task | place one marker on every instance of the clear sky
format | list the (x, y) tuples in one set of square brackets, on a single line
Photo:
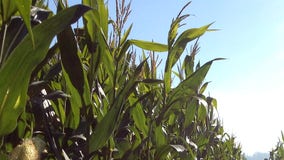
[(249, 84)]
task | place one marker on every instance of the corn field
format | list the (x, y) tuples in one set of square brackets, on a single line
[(86, 92)]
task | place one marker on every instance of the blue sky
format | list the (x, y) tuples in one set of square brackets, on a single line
[(249, 84)]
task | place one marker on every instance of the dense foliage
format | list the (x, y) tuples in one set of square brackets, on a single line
[(85, 96)]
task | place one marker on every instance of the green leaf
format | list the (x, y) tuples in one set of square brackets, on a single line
[(24, 7), (106, 57), (152, 81), (104, 129), (123, 146), (139, 119), (103, 13), (178, 147), (173, 31), (126, 34), (50, 74), (152, 46), (180, 93), (96, 25), (202, 112), (213, 102), (190, 112), (172, 118), (107, 125), (16, 72), (137, 134), (202, 140), (96, 20), (203, 88), (91, 20), (74, 75), (187, 88), (175, 25), (160, 137), (193, 82), (186, 37), (8, 8), (188, 65), (178, 47), (163, 151)]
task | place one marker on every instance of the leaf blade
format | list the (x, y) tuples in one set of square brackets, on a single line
[(74, 75), (23, 7), (152, 46)]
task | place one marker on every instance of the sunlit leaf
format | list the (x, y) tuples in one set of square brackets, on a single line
[(152, 46), (178, 148), (175, 25), (203, 88), (188, 65), (190, 112), (16, 71), (178, 48), (163, 151), (110, 121), (96, 25), (8, 8), (139, 119), (214, 102), (24, 7), (186, 37), (187, 88), (126, 34), (202, 112), (160, 137)]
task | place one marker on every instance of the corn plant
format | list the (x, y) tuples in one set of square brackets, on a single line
[(85, 96), (277, 153)]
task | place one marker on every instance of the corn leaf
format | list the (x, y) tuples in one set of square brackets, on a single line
[(107, 125), (160, 137), (139, 118), (24, 7), (192, 83), (152, 46), (202, 112), (190, 112), (163, 151), (186, 37), (8, 8), (178, 47), (16, 72), (203, 88), (91, 20), (74, 75), (188, 65), (175, 25), (96, 24), (126, 34), (187, 88), (97, 16)]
